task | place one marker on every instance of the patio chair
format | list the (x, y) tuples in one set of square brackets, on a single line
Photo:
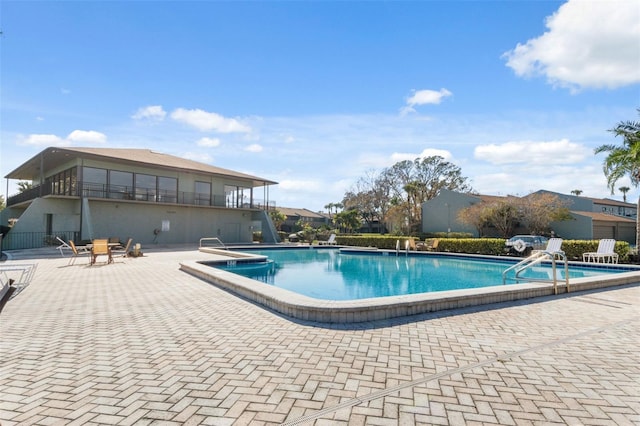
[(99, 248), (605, 252), (62, 246), (330, 242), (122, 251), (433, 246), (77, 252), (430, 244)]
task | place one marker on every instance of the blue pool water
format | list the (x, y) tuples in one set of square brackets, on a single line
[(331, 275)]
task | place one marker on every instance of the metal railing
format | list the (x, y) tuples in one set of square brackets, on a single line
[(29, 240), (119, 192)]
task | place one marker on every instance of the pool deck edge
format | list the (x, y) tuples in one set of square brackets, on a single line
[(328, 311)]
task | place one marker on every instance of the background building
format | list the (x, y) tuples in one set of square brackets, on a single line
[(87, 193), (591, 218)]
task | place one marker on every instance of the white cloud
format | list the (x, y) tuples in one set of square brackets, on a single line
[(254, 148), (300, 185), (524, 178), (209, 121), (428, 152), (152, 112), (208, 142), (423, 97), (43, 140), (589, 44), (539, 153), (87, 136)]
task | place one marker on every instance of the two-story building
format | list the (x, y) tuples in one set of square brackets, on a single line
[(86, 193), (295, 217), (591, 218)]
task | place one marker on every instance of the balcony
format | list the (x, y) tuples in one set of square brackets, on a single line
[(117, 192)]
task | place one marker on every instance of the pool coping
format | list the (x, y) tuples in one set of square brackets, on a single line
[(307, 308)]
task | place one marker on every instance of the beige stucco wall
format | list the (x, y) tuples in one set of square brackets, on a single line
[(187, 224)]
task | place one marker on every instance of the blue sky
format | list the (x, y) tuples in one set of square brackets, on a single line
[(316, 94)]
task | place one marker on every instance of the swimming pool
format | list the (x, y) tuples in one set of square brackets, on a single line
[(329, 274), (301, 307)]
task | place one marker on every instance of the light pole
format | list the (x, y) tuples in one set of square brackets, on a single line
[(448, 218)]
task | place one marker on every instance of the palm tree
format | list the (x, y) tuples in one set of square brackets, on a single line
[(329, 207), (624, 190), (624, 160)]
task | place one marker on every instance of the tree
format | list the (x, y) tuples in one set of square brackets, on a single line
[(364, 203), (538, 210), (475, 215), (400, 190), (347, 220), (278, 218), (2, 202), (23, 186), (370, 197), (411, 183), (624, 160), (504, 215), (624, 190), (577, 192), (534, 212)]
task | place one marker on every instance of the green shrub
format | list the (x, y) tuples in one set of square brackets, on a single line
[(486, 246), (387, 242), (574, 249)]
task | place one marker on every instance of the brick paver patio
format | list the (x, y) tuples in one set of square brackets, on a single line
[(139, 342)]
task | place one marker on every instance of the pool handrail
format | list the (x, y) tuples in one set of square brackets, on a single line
[(536, 258), (215, 240)]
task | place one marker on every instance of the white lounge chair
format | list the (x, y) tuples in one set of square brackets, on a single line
[(331, 241), (554, 246), (605, 253), (62, 246)]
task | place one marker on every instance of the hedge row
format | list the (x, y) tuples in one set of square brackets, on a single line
[(380, 241), (487, 246)]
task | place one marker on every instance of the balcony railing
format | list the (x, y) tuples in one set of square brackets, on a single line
[(119, 192)]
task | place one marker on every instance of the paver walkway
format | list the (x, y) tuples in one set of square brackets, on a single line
[(139, 342)]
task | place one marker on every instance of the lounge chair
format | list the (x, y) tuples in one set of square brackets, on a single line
[(605, 253), (430, 244), (122, 251), (433, 246), (6, 290), (62, 246), (554, 246), (99, 248), (77, 252), (330, 242)]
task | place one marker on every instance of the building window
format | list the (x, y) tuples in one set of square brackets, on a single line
[(203, 193), (167, 189), (94, 182), (120, 185), (145, 187), (237, 196)]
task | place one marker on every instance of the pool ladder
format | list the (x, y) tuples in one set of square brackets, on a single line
[(406, 247), (535, 259)]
